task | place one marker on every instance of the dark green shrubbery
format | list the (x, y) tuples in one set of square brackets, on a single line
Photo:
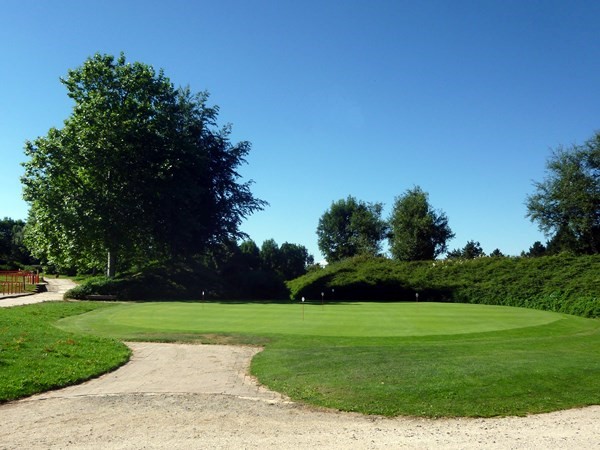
[(154, 283), (560, 283), (185, 282)]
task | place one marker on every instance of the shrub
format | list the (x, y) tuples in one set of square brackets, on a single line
[(562, 283)]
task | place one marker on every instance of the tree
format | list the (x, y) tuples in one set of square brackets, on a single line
[(140, 170), (250, 254), (417, 231), (269, 255), (536, 250), (351, 227), (497, 254), (566, 205), (294, 259), (471, 250), (288, 261), (12, 248)]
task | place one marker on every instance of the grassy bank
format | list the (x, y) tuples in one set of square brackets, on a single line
[(562, 283), (35, 356)]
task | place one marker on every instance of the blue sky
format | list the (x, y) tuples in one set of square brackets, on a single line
[(366, 98)]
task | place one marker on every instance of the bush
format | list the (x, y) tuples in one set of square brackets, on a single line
[(155, 283), (185, 282), (562, 283)]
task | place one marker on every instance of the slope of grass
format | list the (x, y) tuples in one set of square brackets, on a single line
[(390, 358), (35, 356), (561, 283)]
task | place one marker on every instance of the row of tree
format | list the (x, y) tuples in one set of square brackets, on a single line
[(141, 171), (246, 271), (566, 207), (415, 230)]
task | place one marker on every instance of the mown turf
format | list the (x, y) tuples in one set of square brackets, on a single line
[(425, 359), (35, 356)]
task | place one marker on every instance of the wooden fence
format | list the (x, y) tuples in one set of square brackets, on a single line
[(15, 282)]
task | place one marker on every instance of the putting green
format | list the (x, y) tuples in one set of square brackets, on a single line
[(342, 320)]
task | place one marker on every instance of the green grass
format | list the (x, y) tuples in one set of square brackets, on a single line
[(35, 356), (426, 359), (136, 321)]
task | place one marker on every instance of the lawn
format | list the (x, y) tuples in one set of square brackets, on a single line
[(35, 356), (424, 359)]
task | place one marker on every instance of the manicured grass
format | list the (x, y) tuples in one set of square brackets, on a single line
[(35, 356), (135, 321), (426, 359)]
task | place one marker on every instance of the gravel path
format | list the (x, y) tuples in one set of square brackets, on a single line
[(56, 288), (181, 396)]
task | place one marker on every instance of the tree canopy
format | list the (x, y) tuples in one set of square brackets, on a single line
[(566, 205), (351, 227), (140, 169), (12, 249), (471, 250), (417, 231)]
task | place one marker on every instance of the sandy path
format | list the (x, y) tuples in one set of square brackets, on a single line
[(56, 288), (179, 396)]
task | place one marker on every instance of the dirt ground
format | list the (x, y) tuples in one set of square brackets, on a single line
[(180, 396)]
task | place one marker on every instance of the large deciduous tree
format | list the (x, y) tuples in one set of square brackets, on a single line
[(417, 231), (566, 205), (140, 169), (351, 227)]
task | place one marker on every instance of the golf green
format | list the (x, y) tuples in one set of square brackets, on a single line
[(342, 319)]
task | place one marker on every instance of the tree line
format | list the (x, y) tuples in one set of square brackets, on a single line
[(142, 173), (414, 229), (566, 207)]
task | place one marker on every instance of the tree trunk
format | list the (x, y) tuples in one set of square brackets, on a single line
[(111, 266)]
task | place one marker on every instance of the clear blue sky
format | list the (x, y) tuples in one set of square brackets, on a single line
[(366, 98)]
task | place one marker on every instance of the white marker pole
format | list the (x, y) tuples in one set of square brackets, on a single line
[(302, 308)]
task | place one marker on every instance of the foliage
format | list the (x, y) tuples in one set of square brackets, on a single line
[(140, 170), (288, 261), (228, 272), (175, 281), (566, 205), (269, 255), (471, 250), (35, 356), (351, 227), (13, 253), (536, 250), (294, 259), (496, 253), (417, 232), (561, 283)]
